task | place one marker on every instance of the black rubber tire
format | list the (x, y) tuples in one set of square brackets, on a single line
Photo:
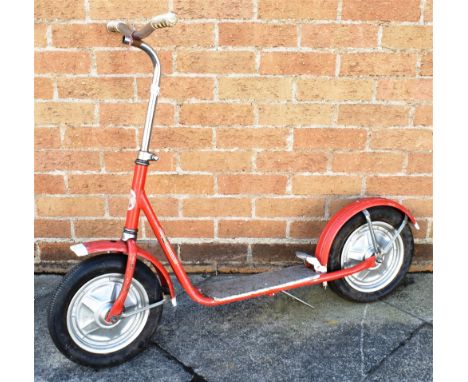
[(73, 281), (388, 215)]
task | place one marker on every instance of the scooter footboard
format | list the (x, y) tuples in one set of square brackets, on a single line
[(269, 283)]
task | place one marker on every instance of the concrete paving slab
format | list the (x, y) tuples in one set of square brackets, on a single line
[(412, 361), (264, 339), (277, 339), (45, 284), (416, 284)]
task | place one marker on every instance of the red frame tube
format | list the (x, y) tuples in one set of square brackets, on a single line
[(141, 202)]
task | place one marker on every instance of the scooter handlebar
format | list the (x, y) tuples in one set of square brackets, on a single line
[(119, 27), (162, 21)]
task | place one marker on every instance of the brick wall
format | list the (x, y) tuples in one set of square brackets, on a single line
[(272, 115)]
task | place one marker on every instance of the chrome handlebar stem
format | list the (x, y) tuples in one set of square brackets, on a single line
[(154, 89)]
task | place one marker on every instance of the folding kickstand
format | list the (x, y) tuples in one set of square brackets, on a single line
[(297, 299)]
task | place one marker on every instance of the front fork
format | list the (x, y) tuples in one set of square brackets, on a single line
[(116, 311)]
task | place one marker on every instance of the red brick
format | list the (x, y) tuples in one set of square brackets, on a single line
[(49, 184), (306, 229), (47, 138), (381, 10), (248, 138), (185, 228), (56, 62), (325, 184), (378, 64), (295, 114), (368, 162), (216, 161), (297, 9), (43, 88), (259, 88), (426, 64), (99, 138), (209, 253), (251, 228), (291, 161), (83, 36), (54, 252), (97, 88), (182, 138), (289, 207), (66, 160), (51, 228), (69, 113), (217, 9), (297, 63), (399, 185), (73, 206), (402, 139), (407, 37), (373, 115), (56, 9), (40, 35), (219, 207), (428, 11), (251, 184), (419, 163), (99, 184), (408, 90), (329, 138), (423, 116), (116, 9), (215, 114), (108, 228), (250, 34), (339, 36), (215, 62), (419, 207), (334, 89)]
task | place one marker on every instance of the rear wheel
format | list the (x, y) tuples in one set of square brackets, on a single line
[(353, 244), (77, 313)]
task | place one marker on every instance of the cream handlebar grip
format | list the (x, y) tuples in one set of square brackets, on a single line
[(162, 21), (119, 27)]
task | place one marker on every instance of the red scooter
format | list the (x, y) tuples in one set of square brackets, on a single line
[(107, 307)]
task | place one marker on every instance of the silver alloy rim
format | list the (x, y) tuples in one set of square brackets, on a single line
[(359, 247), (88, 308)]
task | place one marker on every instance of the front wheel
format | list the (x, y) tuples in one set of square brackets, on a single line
[(353, 244), (77, 313)]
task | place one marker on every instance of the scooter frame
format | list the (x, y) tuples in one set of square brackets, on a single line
[(139, 202)]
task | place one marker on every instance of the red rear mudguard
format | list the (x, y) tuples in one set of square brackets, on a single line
[(342, 216)]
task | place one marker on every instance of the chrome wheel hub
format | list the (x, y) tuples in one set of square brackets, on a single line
[(87, 311), (359, 247)]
